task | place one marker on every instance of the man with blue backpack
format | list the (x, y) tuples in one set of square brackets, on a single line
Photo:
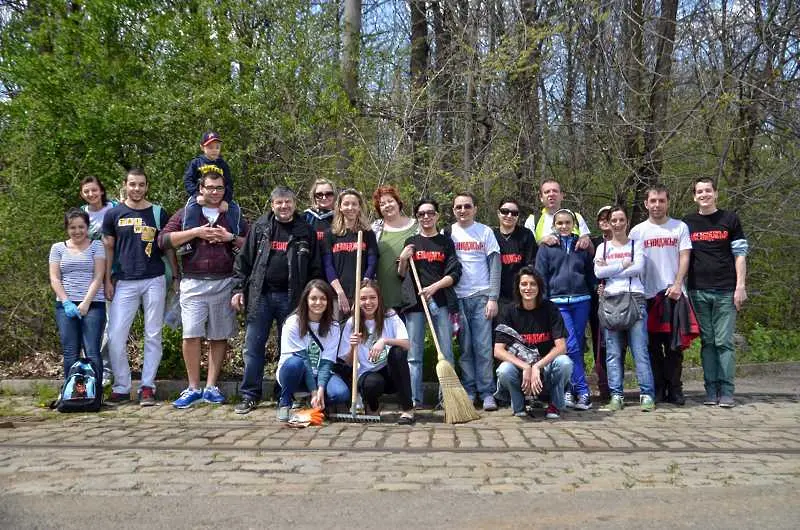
[(130, 232)]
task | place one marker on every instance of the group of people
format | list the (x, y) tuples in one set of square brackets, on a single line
[(518, 294)]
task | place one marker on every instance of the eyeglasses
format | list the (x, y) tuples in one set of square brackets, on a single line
[(215, 188), (426, 213), (323, 194), (506, 211), (462, 207)]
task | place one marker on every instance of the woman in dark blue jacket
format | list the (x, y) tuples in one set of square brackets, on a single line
[(569, 279)]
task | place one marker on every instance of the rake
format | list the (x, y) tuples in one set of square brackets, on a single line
[(353, 415)]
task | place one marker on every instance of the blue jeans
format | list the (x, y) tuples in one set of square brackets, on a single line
[(475, 340), (554, 378), (416, 324), (293, 373), (716, 315), (86, 332), (272, 307), (637, 339), (575, 316)]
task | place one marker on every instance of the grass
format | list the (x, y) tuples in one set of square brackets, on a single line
[(44, 394)]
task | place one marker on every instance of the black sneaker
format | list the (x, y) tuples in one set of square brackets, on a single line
[(676, 397), (245, 406)]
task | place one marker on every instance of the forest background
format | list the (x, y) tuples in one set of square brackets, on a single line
[(606, 96)]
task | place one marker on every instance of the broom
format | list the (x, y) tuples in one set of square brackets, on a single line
[(353, 416), (458, 408)]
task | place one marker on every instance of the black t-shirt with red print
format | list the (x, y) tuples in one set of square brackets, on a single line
[(538, 327)]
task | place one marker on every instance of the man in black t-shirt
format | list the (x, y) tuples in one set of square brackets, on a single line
[(278, 258), (130, 230), (717, 271)]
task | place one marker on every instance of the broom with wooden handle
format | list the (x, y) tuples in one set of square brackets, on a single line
[(458, 408)]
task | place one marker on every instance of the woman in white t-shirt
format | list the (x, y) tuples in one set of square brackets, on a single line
[(309, 341), (382, 345), (97, 204), (620, 262), (76, 269)]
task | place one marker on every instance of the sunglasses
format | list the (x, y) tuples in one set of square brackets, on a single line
[(426, 213), (323, 194), (462, 207), (506, 211)]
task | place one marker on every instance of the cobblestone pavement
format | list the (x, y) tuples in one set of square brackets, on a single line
[(210, 450)]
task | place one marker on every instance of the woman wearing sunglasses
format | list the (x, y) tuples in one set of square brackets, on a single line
[(320, 215), (517, 248)]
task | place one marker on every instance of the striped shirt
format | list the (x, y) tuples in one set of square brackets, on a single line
[(77, 269)]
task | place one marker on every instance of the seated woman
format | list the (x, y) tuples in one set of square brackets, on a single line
[(309, 341), (538, 322), (76, 269), (620, 261), (382, 346)]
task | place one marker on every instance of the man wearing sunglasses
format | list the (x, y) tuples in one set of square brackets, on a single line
[(478, 290), (206, 287), (517, 247)]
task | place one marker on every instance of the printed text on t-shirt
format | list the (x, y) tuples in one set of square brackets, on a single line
[(470, 246), (661, 242)]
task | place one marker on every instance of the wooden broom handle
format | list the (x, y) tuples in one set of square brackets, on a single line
[(356, 321), (424, 303)]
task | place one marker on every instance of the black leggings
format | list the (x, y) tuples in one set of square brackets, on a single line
[(393, 378)]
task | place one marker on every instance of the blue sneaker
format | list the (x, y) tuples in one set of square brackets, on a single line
[(211, 394), (188, 397)]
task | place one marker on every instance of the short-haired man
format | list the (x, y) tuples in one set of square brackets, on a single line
[(717, 271), (130, 230), (667, 247), (278, 258), (477, 291), (206, 286), (551, 196)]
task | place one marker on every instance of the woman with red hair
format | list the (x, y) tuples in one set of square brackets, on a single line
[(392, 228)]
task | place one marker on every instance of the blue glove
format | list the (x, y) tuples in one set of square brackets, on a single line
[(71, 309)]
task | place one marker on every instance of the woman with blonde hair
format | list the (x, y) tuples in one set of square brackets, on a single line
[(340, 248)]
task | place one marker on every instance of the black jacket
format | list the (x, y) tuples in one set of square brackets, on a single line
[(250, 267)]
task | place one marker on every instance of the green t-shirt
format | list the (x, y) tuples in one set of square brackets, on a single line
[(390, 246)]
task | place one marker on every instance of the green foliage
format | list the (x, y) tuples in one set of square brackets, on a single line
[(766, 344)]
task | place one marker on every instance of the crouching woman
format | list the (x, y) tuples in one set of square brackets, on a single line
[(382, 345), (309, 342), (539, 325)]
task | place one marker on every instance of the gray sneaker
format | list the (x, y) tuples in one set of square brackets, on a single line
[(616, 403), (647, 403), (727, 402), (283, 414), (489, 404)]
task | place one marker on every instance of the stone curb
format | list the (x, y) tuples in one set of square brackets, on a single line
[(167, 388)]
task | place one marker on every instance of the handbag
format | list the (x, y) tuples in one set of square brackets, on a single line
[(618, 312)]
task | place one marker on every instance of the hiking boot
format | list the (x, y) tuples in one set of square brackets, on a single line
[(489, 404), (727, 402), (211, 394), (188, 397), (647, 403), (569, 400), (245, 406), (584, 402), (283, 414), (552, 412), (147, 397), (616, 403), (117, 398)]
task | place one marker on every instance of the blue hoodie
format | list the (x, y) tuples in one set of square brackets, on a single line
[(567, 272)]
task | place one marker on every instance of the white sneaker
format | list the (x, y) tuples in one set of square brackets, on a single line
[(569, 401)]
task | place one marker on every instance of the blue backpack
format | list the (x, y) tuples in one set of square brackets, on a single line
[(82, 391)]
